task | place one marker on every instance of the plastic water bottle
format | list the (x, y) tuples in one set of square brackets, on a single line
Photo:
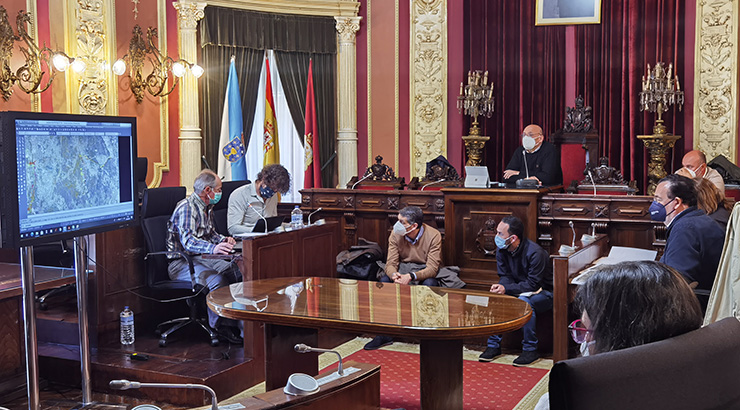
[(127, 326), (296, 218)]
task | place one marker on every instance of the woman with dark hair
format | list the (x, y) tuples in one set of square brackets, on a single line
[(630, 304)]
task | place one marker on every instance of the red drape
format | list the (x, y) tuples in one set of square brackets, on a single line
[(526, 63), (612, 58)]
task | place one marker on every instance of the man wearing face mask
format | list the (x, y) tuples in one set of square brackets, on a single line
[(524, 270), (536, 159), (693, 240), (695, 162), (411, 242), (191, 230), (250, 202)]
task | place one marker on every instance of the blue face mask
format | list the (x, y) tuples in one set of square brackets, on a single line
[(657, 211), (501, 242), (266, 192), (215, 199)]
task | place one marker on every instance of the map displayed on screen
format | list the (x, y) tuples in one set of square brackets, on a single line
[(73, 172)]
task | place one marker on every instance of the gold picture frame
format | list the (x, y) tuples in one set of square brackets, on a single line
[(566, 12)]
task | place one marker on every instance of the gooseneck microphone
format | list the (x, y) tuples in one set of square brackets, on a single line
[(593, 183), (301, 348), (125, 385), (432, 183), (309, 215), (526, 167), (361, 179), (572, 228), (258, 214)]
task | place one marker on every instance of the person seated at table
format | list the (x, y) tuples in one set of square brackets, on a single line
[(191, 230), (693, 240), (525, 271), (260, 195), (710, 200), (695, 163), (630, 304), (414, 257), (536, 159)]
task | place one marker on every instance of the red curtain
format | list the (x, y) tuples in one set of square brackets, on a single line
[(525, 62), (612, 58)]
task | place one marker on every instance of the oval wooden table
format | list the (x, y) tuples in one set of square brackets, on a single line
[(293, 309)]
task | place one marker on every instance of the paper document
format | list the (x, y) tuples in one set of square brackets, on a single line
[(616, 255), (249, 235)]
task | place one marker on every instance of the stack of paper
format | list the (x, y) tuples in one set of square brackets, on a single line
[(616, 255)]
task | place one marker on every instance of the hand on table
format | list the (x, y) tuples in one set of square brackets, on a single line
[(223, 248), (510, 173), (498, 289)]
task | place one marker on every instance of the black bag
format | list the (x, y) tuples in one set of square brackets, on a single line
[(729, 171), (359, 262)]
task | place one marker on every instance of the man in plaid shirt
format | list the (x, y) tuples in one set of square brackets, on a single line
[(190, 230)]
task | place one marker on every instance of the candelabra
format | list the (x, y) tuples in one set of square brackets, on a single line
[(660, 89), (475, 99), (156, 82)]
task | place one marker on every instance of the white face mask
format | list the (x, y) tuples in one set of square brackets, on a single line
[(399, 229), (528, 142), (585, 347)]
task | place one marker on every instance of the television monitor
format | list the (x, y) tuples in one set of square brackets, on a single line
[(65, 175)]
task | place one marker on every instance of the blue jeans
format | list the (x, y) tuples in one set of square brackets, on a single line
[(426, 282), (540, 302)]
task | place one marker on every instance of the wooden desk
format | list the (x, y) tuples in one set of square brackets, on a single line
[(302, 252), (292, 309), (11, 323), (471, 218), (564, 268), (370, 214)]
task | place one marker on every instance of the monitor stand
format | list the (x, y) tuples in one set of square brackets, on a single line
[(29, 322)]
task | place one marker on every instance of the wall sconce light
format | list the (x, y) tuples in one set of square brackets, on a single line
[(156, 82), (30, 75)]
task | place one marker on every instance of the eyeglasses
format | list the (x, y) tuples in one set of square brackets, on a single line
[(578, 331)]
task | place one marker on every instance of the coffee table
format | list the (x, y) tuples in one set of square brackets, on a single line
[(293, 309)]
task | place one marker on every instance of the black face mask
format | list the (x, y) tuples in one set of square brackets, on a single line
[(266, 192)]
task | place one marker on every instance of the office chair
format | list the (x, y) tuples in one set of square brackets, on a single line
[(221, 209), (157, 208)]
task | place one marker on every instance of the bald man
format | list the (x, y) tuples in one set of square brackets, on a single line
[(695, 163), (535, 159)]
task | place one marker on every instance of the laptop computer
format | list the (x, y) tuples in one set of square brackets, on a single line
[(272, 223)]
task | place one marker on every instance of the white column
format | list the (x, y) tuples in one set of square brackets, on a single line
[(347, 105), (188, 14)]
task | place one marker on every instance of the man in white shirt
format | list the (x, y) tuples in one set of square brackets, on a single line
[(259, 196), (695, 162)]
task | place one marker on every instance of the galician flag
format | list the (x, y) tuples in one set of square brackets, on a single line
[(312, 175), (272, 151), (231, 163)]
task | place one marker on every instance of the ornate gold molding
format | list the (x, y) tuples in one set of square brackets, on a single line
[(347, 28), (716, 77), (396, 86), (34, 32), (163, 165), (428, 83), (189, 13), (304, 7), (368, 29), (89, 39)]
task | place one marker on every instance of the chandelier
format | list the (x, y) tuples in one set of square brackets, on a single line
[(660, 89), (476, 98), (156, 82)]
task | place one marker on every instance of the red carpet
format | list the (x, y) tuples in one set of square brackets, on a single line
[(487, 385)]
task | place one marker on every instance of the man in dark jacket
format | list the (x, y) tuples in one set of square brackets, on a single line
[(536, 159), (525, 271), (694, 241)]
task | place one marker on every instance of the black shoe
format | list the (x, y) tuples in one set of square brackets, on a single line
[(230, 334), (526, 358), (489, 354), (378, 342)]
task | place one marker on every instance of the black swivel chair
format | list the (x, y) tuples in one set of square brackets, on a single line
[(157, 208), (221, 209)]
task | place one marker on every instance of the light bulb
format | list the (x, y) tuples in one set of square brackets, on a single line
[(78, 66), (61, 62), (178, 69), (119, 67), (197, 70)]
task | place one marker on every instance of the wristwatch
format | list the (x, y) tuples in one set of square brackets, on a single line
[(413, 275)]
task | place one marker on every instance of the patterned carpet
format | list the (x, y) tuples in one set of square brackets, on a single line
[(495, 385)]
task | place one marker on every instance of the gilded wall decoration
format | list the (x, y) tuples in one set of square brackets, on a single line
[(428, 82), (715, 89)]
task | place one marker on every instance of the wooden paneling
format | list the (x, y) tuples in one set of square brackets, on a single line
[(11, 362)]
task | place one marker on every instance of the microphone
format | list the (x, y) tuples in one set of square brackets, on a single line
[(526, 167), (309, 215), (361, 179), (301, 348), (125, 385), (573, 243), (203, 158), (432, 183), (258, 214), (593, 183)]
